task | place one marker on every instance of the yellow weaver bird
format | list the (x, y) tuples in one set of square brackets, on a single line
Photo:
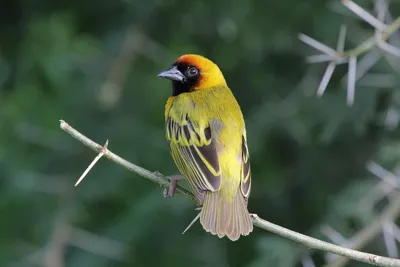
[(206, 133)]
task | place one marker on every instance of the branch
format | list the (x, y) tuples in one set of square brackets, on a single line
[(325, 246), (365, 46), (161, 180), (155, 177), (382, 34), (368, 233), (373, 41)]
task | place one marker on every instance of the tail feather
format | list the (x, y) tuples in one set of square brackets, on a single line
[(225, 219)]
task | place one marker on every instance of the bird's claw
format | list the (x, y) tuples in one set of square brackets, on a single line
[(170, 191)]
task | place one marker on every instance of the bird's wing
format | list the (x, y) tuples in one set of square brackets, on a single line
[(193, 149), (246, 173)]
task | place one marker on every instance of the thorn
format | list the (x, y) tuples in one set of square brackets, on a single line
[(389, 48), (325, 58), (102, 152), (389, 239), (395, 231), (190, 225), (385, 175), (318, 45), (362, 13), (381, 7), (351, 80), (326, 78), (333, 235), (342, 38), (365, 64)]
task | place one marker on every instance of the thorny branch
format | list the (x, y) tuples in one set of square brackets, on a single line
[(382, 34), (155, 177), (383, 224), (257, 221), (371, 231)]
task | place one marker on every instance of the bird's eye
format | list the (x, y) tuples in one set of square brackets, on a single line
[(192, 71)]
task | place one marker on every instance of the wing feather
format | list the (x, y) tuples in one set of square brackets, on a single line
[(246, 173), (194, 152)]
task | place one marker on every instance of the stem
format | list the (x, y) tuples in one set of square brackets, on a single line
[(373, 41), (155, 177), (161, 180), (328, 247)]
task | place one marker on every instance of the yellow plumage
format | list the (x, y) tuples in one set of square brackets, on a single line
[(207, 138)]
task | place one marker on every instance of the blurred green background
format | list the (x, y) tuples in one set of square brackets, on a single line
[(95, 65)]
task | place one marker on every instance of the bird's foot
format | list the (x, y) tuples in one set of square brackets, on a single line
[(170, 191)]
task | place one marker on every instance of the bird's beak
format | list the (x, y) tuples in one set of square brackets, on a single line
[(173, 74)]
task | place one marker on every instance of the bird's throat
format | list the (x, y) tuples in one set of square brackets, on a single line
[(179, 87)]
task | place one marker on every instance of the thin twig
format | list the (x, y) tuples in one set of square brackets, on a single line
[(324, 246), (257, 221), (155, 177), (365, 236), (382, 33), (381, 6), (372, 41), (360, 49)]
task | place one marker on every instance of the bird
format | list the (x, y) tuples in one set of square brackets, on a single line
[(206, 133)]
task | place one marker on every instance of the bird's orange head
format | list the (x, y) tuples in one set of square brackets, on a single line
[(193, 72)]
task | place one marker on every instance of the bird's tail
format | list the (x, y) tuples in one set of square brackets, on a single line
[(225, 219)]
